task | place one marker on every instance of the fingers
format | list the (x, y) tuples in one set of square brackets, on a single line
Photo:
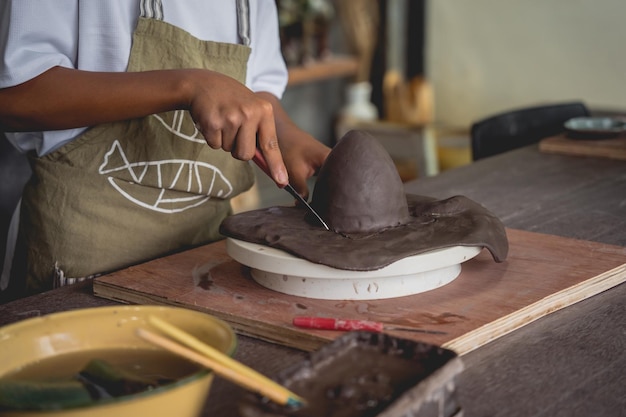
[(233, 118), (268, 144), (228, 131), (304, 155), (244, 143), (212, 137)]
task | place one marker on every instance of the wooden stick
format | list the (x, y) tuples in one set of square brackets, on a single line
[(249, 377), (199, 346), (260, 385)]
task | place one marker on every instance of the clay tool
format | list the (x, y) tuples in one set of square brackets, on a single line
[(328, 323), (197, 351), (261, 163)]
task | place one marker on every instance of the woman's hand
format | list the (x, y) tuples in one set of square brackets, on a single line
[(302, 153), (231, 117)]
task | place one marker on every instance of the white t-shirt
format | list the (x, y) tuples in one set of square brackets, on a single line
[(96, 35)]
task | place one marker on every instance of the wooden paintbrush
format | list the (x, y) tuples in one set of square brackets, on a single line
[(224, 366)]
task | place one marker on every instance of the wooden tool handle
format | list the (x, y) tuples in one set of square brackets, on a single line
[(260, 161)]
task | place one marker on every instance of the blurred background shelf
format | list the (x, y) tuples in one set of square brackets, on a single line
[(334, 66)]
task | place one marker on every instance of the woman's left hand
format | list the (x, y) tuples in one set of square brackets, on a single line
[(303, 155)]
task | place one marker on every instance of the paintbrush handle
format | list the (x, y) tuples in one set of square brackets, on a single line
[(280, 396), (217, 356), (327, 323), (260, 161)]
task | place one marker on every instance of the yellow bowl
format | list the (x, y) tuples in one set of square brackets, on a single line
[(113, 328)]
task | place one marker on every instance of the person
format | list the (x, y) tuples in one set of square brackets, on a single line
[(139, 117)]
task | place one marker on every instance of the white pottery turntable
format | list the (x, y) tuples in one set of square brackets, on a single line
[(285, 273)]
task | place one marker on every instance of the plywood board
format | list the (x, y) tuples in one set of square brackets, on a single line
[(542, 274), (614, 148)]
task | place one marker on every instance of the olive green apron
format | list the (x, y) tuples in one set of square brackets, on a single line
[(127, 192)]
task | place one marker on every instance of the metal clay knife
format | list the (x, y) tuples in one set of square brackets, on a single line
[(261, 163)]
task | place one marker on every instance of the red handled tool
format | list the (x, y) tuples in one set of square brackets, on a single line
[(261, 163), (328, 323)]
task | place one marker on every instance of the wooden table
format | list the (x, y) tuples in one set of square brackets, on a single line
[(570, 363)]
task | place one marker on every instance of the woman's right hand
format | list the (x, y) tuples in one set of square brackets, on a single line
[(231, 117)]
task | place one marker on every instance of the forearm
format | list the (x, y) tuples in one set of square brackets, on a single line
[(64, 98)]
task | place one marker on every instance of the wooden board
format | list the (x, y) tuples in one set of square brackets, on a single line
[(542, 274), (614, 148)]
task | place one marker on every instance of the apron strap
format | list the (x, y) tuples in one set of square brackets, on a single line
[(10, 247), (243, 21), (151, 9)]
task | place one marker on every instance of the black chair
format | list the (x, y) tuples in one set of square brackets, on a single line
[(516, 128)]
